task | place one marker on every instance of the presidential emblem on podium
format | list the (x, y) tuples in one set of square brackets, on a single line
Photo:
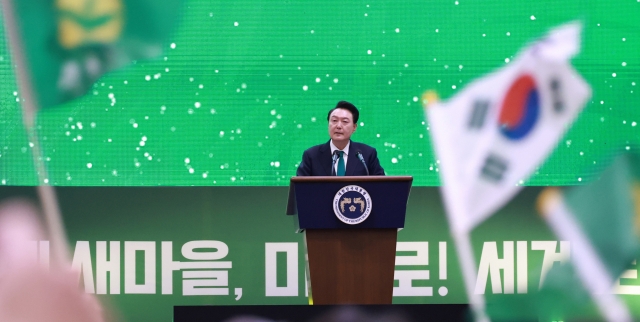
[(352, 204)]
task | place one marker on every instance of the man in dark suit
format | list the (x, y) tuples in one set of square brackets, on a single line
[(347, 157)]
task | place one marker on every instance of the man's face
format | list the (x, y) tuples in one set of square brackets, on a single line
[(341, 125)]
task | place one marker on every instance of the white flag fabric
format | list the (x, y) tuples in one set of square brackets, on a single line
[(498, 129)]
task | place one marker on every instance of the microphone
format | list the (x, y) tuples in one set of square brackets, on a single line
[(359, 154), (333, 162)]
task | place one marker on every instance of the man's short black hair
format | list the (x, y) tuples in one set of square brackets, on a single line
[(347, 106)]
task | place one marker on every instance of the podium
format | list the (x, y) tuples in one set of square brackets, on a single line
[(350, 226)]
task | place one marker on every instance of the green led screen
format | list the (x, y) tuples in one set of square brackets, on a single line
[(243, 87)]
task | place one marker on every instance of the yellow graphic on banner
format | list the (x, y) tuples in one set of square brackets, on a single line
[(635, 193), (83, 22)]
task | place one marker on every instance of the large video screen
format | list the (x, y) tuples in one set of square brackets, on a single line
[(243, 88)]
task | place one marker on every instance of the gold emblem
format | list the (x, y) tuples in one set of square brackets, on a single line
[(359, 202), (358, 199), (83, 22), (343, 202), (352, 208)]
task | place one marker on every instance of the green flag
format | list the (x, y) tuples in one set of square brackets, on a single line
[(68, 44), (61, 47), (598, 221)]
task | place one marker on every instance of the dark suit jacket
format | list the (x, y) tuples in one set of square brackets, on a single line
[(316, 161)]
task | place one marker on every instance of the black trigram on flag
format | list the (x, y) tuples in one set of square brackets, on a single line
[(556, 94), (494, 168), (479, 113)]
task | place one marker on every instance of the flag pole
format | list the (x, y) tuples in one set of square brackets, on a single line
[(464, 250), (584, 258), (450, 188), (46, 193), (469, 274)]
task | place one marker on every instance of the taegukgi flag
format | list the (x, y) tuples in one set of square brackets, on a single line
[(497, 130)]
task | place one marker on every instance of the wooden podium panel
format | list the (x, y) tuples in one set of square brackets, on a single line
[(351, 266)]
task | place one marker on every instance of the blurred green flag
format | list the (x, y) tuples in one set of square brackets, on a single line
[(606, 213), (68, 44), (598, 221)]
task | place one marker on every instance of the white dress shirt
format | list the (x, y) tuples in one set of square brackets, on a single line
[(344, 155)]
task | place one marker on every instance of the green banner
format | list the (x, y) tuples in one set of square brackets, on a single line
[(139, 249)]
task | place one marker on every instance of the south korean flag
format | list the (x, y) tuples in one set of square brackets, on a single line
[(497, 130)]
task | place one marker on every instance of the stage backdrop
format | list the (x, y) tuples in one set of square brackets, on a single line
[(241, 90), (244, 87)]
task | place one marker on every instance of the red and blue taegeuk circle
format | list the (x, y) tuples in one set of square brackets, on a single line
[(520, 108)]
